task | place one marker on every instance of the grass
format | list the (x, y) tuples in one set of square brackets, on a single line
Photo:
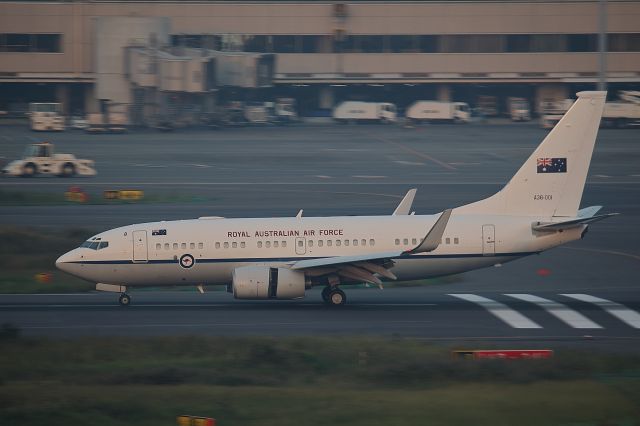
[(294, 381)]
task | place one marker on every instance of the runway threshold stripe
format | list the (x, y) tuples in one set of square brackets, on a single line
[(514, 318), (558, 310), (624, 314)]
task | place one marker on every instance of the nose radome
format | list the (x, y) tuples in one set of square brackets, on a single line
[(64, 262)]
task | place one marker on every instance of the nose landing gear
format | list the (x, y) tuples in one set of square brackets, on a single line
[(124, 299)]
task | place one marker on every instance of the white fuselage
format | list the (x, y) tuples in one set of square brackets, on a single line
[(149, 254)]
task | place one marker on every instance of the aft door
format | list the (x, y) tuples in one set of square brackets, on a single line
[(488, 240), (140, 246), (301, 245)]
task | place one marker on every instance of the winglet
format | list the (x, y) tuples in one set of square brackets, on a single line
[(299, 215), (434, 236), (405, 205)]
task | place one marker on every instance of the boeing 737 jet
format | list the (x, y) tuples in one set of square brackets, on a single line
[(280, 258)]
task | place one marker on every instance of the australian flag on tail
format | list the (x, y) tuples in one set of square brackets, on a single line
[(552, 165)]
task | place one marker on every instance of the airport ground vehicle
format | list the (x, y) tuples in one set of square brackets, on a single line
[(113, 122), (46, 116), (78, 122), (519, 109), (280, 258), (39, 158), (435, 111), (488, 105), (621, 114), (356, 111), (625, 113)]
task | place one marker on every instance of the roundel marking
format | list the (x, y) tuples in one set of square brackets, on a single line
[(187, 261)]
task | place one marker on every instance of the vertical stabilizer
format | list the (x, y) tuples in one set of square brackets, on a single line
[(551, 181)]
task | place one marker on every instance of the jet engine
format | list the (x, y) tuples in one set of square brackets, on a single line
[(262, 282)]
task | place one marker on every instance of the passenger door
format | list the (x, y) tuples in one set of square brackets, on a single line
[(301, 245), (488, 240), (140, 253)]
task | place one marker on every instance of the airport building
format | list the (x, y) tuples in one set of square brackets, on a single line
[(318, 52)]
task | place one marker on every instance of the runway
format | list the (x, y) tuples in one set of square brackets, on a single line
[(573, 319)]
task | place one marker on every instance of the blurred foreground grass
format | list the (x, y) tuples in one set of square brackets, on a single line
[(305, 381), (25, 252)]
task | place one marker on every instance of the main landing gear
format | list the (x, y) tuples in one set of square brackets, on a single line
[(124, 299), (333, 296)]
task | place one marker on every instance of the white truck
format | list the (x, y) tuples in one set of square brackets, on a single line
[(44, 116), (435, 111), (356, 111), (519, 109), (615, 114), (622, 114), (39, 158)]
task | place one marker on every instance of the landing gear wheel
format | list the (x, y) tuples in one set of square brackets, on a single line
[(124, 299), (68, 170), (336, 297), (325, 294)]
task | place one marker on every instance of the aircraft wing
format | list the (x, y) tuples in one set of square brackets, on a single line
[(586, 215), (363, 267)]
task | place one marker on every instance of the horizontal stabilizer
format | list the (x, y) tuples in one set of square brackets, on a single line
[(405, 205), (434, 236), (555, 226)]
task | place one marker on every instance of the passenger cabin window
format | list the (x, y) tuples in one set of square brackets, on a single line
[(405, 241), (320, 243), (201, 245), (259, 244), (226, 245), (447, 240), (284, 244), (234, 245), (338, 243), (267, 244), (183, 246), (276, 244), (414, 241), (218, 245), (372, 242), (166, 246), (310, 242), (456, 240), (242, 244), (175, 246), (329, 243), (192, 245), (158, 246), (364, 242), (397, 241)]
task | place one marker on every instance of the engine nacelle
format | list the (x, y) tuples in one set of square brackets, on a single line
[(262, 282)]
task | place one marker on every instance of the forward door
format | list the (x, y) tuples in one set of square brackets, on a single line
[(140, 250)]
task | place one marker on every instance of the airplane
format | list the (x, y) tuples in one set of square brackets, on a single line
[(281, 258)]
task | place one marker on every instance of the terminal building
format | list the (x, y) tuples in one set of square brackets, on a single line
[(83, 53)]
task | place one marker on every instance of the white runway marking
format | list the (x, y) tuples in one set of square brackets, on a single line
[(619, 311), (513, 318), (558, 310), (368, 177)]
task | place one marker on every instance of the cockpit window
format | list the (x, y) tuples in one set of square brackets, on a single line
[(95, 245)]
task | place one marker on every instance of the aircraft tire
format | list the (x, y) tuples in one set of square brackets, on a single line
[(336, 297), (125, 299)]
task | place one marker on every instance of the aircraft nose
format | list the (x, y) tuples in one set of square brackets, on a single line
[(64, 262)]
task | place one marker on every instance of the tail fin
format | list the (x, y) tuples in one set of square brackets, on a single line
[(551, 181)]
